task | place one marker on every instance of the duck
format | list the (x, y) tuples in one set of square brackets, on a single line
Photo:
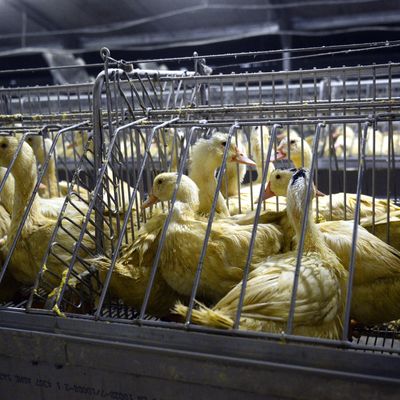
[(381, 226), (301, 154), (41, 148), (377, 142), (235, 172), (26, 260), (227, 247), (206, 157), (321, 287), (172, 143), (132, 269), (376, 284), (259, 141), (8, 286)]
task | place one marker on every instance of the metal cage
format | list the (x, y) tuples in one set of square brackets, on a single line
[(98, 148)]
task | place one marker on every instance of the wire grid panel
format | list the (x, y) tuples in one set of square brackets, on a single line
[(136, 113)]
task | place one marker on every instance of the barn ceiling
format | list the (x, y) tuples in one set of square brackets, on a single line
[(156, 24)]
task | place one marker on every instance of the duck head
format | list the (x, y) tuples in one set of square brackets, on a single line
[(297, 147), (279, 182), (212, 151), (8, 147), (164, 186)]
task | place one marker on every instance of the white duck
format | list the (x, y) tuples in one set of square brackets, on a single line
[(376, 285), (37, 230), (227, 248), (41, 148), (207, 156), (321, 287), (301, 154), (234, 172)]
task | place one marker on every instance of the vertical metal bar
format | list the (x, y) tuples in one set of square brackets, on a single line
[(361, 167), (304, 221), (388, 176), (255, 225), (221, 172), (156, 261)]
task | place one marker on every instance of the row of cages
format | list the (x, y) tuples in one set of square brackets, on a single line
[(169, 198)]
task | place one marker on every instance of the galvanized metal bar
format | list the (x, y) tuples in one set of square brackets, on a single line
[(246, 268), (221, 172), (361, 168), (300, 245)]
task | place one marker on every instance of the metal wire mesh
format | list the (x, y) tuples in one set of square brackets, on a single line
[(109, 141)]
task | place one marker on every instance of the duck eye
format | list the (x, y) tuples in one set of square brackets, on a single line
[(4, 145), (292, 141), (278, 176), (160, 181), (223, 144)]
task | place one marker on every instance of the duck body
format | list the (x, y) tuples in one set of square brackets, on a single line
[(225, 257), (132, 270), (266, 305), (380, 227), (377, 265), (227, 248), (27, 257), (320, 295)]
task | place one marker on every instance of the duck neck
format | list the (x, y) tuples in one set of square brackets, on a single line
[(203, 176), (7, 194), (307, 157), (312, 238), (50, 178), (25, 176)]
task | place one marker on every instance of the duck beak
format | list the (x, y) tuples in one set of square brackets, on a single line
[(280, 153), (318, 193), (42, 186), (240, 158), (150, 201), (268, 193)]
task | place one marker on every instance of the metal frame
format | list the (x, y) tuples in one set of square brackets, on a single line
[(131, 108)]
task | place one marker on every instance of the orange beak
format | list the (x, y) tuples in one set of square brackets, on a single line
[(150, 201), (268, 193), (280, 153), (240, 158)]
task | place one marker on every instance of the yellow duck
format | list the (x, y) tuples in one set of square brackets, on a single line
[(259, 141), (377, 142), (321, 287), (41, 148), (37, 230), (8, 286), (234, 172), (227, 248), (304, 157), (376, 284), (380, 227), (206, 157), (248, 194), (132, 269)]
